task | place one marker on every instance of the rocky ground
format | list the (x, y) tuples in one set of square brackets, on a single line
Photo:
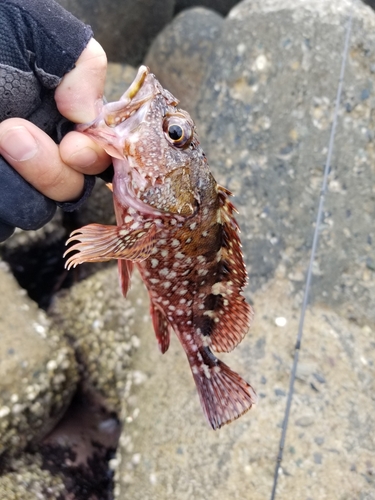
[(89, 409)]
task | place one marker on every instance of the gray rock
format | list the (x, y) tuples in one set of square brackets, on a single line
[(38, 371), (168, 451), (124, 28), (221, 6), (33, 483), (180, 54), (99, 323), (264, 117)]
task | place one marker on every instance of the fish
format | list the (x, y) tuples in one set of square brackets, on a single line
[(177, 225)]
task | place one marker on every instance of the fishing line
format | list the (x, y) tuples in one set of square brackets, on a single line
[(313, 252)]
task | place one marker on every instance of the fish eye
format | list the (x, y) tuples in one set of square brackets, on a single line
[(175, 132), (178, 130)]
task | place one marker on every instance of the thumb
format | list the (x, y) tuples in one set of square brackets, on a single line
[(79, 91)]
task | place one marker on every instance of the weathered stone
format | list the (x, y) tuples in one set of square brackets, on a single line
[(264, 118), (221, 6), (37, 369), (33, 483), (99, 323), (168, 451), (180, 54), (124, 28)]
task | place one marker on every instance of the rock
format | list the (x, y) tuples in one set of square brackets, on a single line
[(221, 6), (264, 114), (119, 77), (33, 483), (99, 323), (38, 372), (180, 53), (168, 451), (124, 28)]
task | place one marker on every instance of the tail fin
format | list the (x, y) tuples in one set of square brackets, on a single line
[(223, 394)]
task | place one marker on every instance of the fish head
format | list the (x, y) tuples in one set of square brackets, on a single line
[(155, 141)]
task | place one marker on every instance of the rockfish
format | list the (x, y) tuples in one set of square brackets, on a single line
[(176, 224)]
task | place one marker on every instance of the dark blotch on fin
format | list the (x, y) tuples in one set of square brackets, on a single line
[(205, 324), (213, 302)]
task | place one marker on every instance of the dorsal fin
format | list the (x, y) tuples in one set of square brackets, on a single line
[(230, 314)]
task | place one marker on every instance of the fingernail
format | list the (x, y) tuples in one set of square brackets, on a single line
[(19, 144), (83, 158)]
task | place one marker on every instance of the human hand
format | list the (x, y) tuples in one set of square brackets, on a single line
[(55, 171)]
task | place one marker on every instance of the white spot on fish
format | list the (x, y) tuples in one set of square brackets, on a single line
[(175, 243), (164, 271), (193, 225), (179, 255), (164, 253), (206, 370), (154, 263), (202, 272), (167, 284)]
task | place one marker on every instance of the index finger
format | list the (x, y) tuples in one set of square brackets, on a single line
[(82, 88)]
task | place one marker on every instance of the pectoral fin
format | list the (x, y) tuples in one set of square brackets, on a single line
[(98, 243)]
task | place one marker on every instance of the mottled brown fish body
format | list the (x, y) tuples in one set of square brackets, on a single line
[(176, 224)]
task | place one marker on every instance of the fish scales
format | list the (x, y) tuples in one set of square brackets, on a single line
[(177, 225)]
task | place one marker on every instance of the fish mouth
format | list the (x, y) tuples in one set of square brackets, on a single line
[(137, 84)]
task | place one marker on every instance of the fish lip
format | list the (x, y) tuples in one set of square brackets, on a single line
[(137, 83)]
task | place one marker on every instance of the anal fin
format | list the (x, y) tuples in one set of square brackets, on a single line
[(98, 243)]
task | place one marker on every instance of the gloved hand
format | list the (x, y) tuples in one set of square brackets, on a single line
[(52, 73)]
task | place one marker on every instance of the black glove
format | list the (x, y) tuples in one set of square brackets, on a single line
[(39, 43)]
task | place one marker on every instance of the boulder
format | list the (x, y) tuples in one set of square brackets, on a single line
[(264, 116), (124, 28), (94, 315), (180, 54), (221, 6), (33, 483), (38, 371), (167, 450)]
